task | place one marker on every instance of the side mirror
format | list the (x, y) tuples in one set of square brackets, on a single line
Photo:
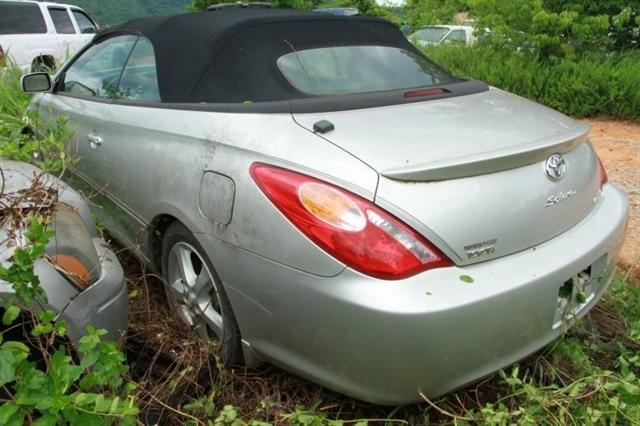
[(89, 30), (36, 82)]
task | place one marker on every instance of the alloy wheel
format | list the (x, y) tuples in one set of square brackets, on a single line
[(193, 292)]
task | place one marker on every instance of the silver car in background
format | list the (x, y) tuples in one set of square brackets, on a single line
[(319, 195), (81, 276)]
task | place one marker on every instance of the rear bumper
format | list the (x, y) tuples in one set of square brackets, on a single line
[(384, 341)]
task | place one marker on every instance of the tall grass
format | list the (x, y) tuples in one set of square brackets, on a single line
[(18, 124), (583, 86)]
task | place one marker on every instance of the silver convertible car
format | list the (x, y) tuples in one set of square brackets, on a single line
[(318, 194)]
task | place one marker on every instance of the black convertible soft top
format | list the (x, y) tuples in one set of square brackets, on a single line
[(229, 56)]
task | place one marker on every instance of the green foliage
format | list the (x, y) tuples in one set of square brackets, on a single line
[(429, 12), (113, 12), (198, 5), (549, 28), (586, 86), (92, 392), (20, 273), (17, 122), (65, 393), (544, 32), (366, 7)]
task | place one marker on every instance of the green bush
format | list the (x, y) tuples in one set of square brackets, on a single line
[(582, 86)]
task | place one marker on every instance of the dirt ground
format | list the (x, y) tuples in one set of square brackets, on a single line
[(618, 144)]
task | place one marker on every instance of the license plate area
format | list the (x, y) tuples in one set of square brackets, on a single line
[(578, 291)]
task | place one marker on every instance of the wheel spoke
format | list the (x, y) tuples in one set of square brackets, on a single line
[(213, 321), (193, 291), (183, 257), (202, 282), (177, 289)]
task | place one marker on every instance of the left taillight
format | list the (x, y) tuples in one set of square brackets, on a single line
[(347, 226), (603, 172)]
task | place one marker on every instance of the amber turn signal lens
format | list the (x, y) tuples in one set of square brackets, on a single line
[(73, 268), (332, 206)]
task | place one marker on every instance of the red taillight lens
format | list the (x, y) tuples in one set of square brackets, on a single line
[(603, 172), (348, 227)]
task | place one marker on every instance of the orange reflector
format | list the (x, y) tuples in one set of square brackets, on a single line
[(74, 269)]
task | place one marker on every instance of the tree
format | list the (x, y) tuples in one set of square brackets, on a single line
[(365, 7), (198, 5), (428, 12)]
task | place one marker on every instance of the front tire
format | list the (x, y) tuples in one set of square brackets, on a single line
[(196, 295)]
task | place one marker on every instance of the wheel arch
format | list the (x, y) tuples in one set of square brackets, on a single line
[(43, 59), (157, 229)]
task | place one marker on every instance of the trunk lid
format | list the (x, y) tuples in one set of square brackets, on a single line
[(469, 172)]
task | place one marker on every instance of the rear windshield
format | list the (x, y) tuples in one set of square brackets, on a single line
[(344, 70), (21, 18)]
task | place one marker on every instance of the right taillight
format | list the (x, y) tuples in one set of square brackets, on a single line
[(348, 227), (603, 172)]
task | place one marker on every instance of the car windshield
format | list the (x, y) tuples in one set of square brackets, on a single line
[(343, 70), (432, 34)]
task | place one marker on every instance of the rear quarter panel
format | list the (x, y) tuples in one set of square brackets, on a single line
[(155, 160)]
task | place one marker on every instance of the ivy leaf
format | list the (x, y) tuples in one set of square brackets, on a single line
[(46, 420), (10, 315), (88, 343), (466, 279), (89, 359), (7, 367), (7, 411)]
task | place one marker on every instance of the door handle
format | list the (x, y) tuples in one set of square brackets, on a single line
[(94, 140)]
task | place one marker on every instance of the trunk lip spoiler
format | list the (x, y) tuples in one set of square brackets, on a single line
[(491, 161)]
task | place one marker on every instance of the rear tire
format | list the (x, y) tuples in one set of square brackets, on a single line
[(196, 295)]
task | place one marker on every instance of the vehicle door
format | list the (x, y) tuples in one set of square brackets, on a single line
[(456, 37), (135, 147), (65, 32), (82, 93)]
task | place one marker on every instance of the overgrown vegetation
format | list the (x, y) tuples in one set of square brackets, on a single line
[(585, 86), (580, 57), (40, 381), (113, 12)]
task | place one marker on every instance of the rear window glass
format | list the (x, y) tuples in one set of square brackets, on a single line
[(85, 24), (21, 18), (62, 21), (432, 34), (343, 70)]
